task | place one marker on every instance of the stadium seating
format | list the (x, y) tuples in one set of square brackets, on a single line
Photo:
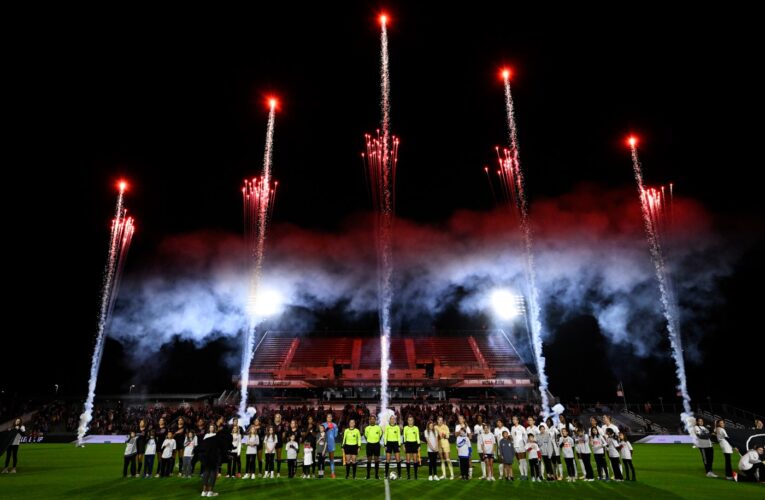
[(340, 359)]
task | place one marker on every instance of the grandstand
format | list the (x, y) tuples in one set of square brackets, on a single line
[(447, 360)]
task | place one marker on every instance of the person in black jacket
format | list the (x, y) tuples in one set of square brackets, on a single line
[(16, 431), (211, 452)]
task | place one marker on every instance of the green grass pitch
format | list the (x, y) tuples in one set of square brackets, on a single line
[(63, 471)]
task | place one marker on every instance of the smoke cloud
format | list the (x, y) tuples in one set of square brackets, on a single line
[(590, 253)]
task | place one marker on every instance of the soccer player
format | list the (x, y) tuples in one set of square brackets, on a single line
[(486, 442), (351, 443), (330, 429), (412, 446), (392, 436), (180, 438), (140, 444), (444, 447), (260, 429), (518, 435), (373, 435), (280, 429), (725, 447)]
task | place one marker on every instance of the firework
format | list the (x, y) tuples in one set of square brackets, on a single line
[(258, 195), (381, 160), (119, 243), (657, 215), (511, 181)]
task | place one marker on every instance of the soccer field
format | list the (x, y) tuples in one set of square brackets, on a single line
[(63, 471)]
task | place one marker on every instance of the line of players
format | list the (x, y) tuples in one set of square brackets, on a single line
[(540, 450)]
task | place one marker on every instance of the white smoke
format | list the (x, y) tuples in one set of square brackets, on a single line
[(590, 252)]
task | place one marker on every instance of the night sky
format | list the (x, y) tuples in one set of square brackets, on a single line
[(175, 102)]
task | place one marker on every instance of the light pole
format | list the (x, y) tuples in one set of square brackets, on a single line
[(130, 390), (56, 389), (661, 402)]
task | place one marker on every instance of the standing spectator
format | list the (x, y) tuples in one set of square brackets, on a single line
[(211, 452), (17, 431), (725, 448), (703, 442)]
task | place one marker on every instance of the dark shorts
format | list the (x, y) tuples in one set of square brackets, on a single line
[(487, 456), (391, 448), (555, 459), (351, 449), (373, 449), (412, 447)]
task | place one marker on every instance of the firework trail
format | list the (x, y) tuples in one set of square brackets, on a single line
[(258, 195), (511, 175), (119, 243), (381, 158), (657, 215)]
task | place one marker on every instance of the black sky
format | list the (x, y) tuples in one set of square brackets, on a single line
[(175, 102)]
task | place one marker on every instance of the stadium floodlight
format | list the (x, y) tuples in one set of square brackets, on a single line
[(267, 303), (506, 304)]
